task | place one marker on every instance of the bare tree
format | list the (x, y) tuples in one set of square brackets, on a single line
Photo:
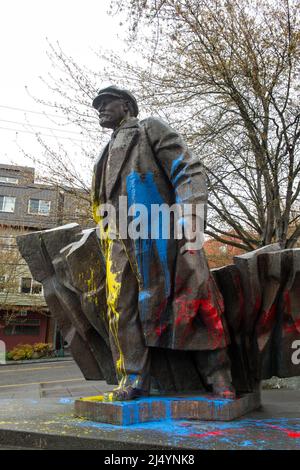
[(12, 269), (226, 73), (67, 163), (230, 70)]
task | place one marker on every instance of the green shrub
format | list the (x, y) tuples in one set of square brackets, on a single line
[(29, 351), (20, 352), (42, 349)]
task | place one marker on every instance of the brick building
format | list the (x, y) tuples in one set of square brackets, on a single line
[(28, 206), (220, 254)]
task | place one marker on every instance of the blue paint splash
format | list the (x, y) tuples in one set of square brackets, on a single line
[(235, 433), (65, 400), (143, 190), (183, 192), (175, 164), (246, 443)]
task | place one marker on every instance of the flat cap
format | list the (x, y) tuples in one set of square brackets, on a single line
[(119, 93)]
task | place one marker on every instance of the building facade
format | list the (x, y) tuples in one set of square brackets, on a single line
[(27, 206)]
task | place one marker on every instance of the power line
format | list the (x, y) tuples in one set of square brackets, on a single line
[(32, 112), (44, 135), (44, 113), (42, 127)]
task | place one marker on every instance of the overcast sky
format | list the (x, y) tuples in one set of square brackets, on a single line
[(79, 26)]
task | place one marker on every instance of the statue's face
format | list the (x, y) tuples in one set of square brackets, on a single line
[(112, 111)]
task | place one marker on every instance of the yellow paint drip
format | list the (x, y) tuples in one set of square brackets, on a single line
[(96, 398), (107, 397), (91, 281), (113, 287), (95, 210), (113, 292)]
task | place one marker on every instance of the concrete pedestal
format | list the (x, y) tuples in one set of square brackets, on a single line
[(146, 409)]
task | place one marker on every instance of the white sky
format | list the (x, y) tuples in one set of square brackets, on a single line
[(79, 26)]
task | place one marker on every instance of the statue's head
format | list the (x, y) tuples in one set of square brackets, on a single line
[(114, 104)]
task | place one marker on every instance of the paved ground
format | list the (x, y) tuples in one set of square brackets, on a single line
[(16, 448), (36, 411), (40, 380), (50, 423)]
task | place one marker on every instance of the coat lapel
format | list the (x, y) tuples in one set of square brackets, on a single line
[(98, 168), (119, 151)]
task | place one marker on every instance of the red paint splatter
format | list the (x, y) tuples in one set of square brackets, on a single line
[(160, 329), (294, 328), (210, 309), (161, 308), (211, 316), (293, 434), (187, 309), (229, 394), (265, 325), (266, 320)]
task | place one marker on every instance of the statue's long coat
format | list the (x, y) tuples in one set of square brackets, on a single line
[(179, 304)]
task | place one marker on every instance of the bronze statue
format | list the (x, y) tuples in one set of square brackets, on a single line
[(144, 312), (159, 294)]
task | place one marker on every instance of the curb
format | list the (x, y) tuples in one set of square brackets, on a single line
[(44, 441), (39, 361)]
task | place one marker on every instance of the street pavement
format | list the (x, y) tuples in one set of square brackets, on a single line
[(46, 379), (50, 423)]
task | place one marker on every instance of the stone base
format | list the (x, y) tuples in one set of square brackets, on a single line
[(146, 409)]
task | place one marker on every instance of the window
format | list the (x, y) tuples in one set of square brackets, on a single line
[(22, 313), (29, 286), (26, 285), (8, 179), (7, 241), (23, 326), (39, 206), (36, 288), (7, 204)]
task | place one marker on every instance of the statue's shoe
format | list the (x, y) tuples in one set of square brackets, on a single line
[(124, 394), (221, 384), (224, 392)]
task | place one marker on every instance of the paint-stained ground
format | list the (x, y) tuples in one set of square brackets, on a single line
[(50, 423)]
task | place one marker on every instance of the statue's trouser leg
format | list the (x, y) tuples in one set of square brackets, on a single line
[(214, 367), (131, 356)]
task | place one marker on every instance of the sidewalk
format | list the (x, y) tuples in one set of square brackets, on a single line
[(50, 424), (38, 361)]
